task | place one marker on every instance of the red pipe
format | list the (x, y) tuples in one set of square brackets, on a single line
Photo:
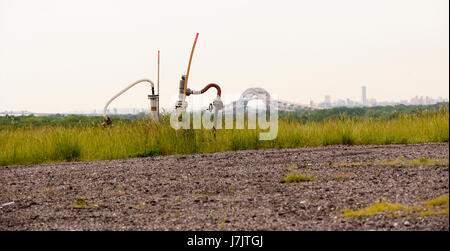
[(219, 91)]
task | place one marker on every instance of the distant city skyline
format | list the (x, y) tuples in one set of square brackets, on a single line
[(365, 102), (416, 100), (328, 102)]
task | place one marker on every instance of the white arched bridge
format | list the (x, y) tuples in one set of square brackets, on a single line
[(258, 93)]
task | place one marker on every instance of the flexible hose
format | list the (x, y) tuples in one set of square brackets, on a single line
[(206, 88), (121, 92), (219, 91), (187, 74)]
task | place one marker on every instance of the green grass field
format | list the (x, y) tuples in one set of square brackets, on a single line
[(139, 138)]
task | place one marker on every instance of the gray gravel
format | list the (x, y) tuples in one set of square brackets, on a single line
[(226, 191)]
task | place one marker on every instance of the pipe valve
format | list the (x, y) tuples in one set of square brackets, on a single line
[(218, 104)]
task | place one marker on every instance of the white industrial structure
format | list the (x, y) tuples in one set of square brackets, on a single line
[(258, 93)]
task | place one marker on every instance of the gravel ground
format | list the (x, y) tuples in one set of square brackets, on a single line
[(227, 191)]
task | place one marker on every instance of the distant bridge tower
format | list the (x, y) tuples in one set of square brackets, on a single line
[(261, 94), (252, 94)]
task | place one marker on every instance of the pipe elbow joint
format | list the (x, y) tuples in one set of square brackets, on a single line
[(214, 85)]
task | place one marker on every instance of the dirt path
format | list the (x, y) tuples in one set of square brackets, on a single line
[(229, 191)]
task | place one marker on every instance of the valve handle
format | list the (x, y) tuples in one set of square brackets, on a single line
[(107, 121), (210, 107)]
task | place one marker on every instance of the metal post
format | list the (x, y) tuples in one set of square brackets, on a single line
[(158, 83)]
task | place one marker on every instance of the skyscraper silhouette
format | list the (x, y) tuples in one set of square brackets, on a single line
[(364, 97)]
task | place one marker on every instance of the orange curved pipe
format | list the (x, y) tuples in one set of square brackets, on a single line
[(187, 74)]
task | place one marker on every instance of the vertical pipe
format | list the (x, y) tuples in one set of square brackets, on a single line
[(158, 83), (158, 74), (187, 74)]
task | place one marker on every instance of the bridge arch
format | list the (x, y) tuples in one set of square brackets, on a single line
[(252, 94), (257, 93)]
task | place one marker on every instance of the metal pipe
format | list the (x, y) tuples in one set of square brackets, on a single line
[(187, 74), (216, 105), (158, 85), (157, 81), (106, 118), (206, 88)]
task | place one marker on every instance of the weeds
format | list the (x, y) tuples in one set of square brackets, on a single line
[(375, 208), (142, 138), (396, 162), (82, 203), (437, 206), (65, 148), (416, 162), (428, 162), (141, 205), (294, 177)]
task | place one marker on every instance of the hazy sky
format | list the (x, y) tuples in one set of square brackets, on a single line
[(59, 56)]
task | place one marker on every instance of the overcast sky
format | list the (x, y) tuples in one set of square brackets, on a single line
[(59, 56)]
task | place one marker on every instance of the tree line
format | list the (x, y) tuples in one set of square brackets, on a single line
[(303, 116)]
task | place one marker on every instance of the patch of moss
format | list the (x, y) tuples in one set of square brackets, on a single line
[(294, 177), (439, 201), (433, 212), (82, 203), (437, 206), (416, 162), (427, 162), (141, 206), (374, 209), (400, 161)]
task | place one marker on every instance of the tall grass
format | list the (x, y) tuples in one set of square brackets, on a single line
[(145, 138)]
